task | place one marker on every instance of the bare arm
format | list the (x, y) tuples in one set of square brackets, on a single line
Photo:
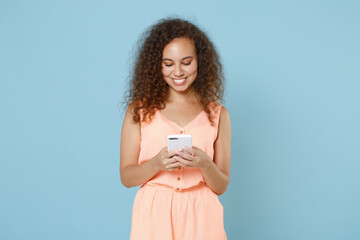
[(216, 173), (133, 174)]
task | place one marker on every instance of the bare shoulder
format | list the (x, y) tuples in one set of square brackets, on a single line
[(129, 111), (222, 145), (130, 126), (224, 116), (224, 125)]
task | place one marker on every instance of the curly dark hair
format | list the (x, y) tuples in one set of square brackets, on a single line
[(148, 90)]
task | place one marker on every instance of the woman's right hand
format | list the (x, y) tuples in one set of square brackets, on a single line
[(164, 160)]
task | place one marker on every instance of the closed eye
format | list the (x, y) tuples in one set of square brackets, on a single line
[(170, 64)]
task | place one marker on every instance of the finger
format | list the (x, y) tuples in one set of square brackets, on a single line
[(196, 148), (186, 156), (184, 162), (180, 159), (164, 149), (169, 161), (173, 166), (171, 153), (190, 150), (182, 165)]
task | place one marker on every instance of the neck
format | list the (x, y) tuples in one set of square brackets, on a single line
[(182, 97)]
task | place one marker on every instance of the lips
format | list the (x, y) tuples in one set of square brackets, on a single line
[(179, 81)]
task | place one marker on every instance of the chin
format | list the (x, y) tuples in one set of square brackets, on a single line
[(179, 88)]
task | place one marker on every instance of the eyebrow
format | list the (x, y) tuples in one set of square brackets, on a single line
[(168, 59)]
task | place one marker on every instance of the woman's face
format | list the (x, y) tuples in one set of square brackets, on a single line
[(179, 64)]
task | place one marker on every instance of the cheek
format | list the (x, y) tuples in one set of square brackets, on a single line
[(165, 71), (193, 69)]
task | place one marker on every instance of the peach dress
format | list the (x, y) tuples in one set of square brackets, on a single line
[(177, 205)]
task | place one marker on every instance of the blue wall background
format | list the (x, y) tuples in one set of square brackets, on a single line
[(293, 92)]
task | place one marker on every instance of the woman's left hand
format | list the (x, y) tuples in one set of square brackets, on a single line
[(193, 157)]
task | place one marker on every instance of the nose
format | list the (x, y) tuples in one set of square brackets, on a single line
[(178, 72)]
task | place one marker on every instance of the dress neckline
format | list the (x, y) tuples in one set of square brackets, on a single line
[(181, 127)]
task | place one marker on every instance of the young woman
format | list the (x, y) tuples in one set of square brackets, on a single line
[(175, 88)]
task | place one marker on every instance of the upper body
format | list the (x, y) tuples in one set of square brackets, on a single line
[(183, 91)]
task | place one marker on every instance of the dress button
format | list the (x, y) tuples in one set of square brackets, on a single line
[(178, 189), (179, 178), (181, 131)]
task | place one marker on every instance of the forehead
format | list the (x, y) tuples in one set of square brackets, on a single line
[(179, 48)]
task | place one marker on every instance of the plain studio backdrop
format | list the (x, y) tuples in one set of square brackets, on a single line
[(293, 93)]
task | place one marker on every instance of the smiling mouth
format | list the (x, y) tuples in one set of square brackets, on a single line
[(179, 81)]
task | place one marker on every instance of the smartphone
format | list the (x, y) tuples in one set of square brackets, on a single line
[(176, 142)]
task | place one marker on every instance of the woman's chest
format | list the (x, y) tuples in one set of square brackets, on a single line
[(181, 115)]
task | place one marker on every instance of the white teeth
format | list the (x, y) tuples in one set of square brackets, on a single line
[(179, 80)]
